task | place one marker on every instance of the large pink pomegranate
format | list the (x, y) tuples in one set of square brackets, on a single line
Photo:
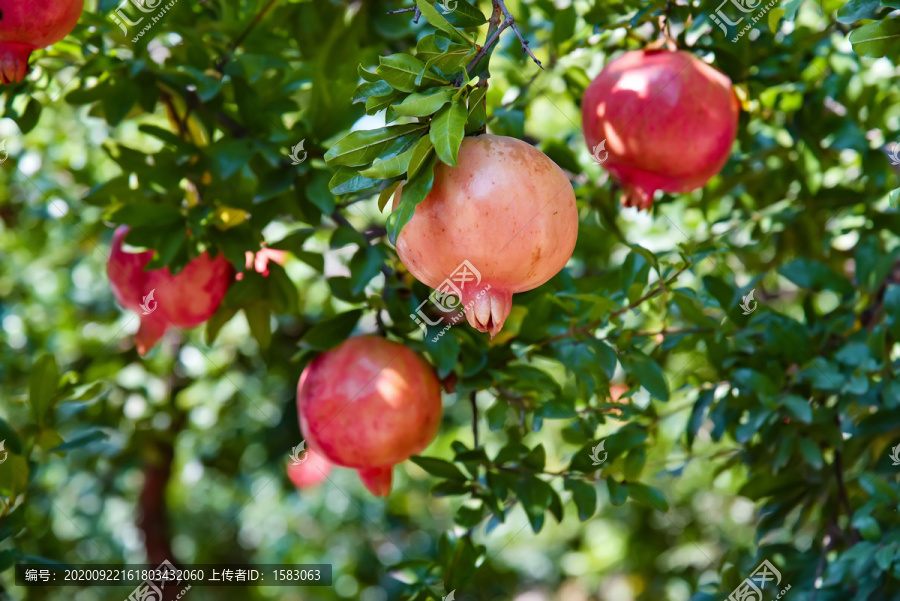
[(26, 25), (503, 221), (369, 404), (312, 470), (185, 300), (659, 120)]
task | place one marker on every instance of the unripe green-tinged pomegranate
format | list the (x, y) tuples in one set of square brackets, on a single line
[(369, 404), (659, 120), (26, 25), (506, 212), (185, 300)]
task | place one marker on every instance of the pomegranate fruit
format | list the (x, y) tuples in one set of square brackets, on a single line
[(312, 471), (659, 120), (503, 221), (28, 25), (369, 404), (184, 300)]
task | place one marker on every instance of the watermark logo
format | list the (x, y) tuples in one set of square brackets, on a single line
[(895, 454), (751, 588), (3, 151), (595, 453), (121, 19), (146, 304), (745, 7), (296, 459), (295, 153), (448, 6), (164, 574), (450, 596), (745, 304), (5, 454), (596, 152), (448, 298), (894, 155)]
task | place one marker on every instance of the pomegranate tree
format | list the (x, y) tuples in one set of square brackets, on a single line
[(503, 221), (26, 25), (184, 300), (369, 404), (659, 120)]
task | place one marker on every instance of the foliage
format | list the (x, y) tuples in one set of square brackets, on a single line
[(735, 437)]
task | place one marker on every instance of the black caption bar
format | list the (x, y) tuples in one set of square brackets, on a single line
[(168, 574)]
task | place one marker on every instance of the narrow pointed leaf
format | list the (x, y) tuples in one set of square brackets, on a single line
[(447, 130)]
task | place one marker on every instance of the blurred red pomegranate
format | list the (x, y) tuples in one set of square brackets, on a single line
[(503, 221), (312, 470), (369, 404), (185, 300), (659, 120), (26, 25)]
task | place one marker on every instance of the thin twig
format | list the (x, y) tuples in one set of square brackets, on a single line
[(414, 9), (240, 39), (474, 418), (512, 23)]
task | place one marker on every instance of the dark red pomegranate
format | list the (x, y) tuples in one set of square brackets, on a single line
[(185, 300), (660, 120), (26, 25)]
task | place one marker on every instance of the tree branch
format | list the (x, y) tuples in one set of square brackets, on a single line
[(586, 329), (414, 9), (494, 34)]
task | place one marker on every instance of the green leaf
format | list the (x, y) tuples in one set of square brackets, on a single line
[(438, 467), (331, 332), (401, 71), (43, 382), (366, 74), (814, 275), (423, 105), (876, 39), (564, 24), (618, 491), (363, 147), (375, 104), (477, 116), (411, 194), (365, 265), (376, 88), (856, 10), (259, 318), (389, 168), (704, 400), (811, 453), (649, 374), (447, 130), (584, 496), (13, 442), (463, 15), (386, 195), (799, 408), (422, 152), (774, 17), (437, 19), (14, 476), (81, 440), (347, 180), (648, 496)]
